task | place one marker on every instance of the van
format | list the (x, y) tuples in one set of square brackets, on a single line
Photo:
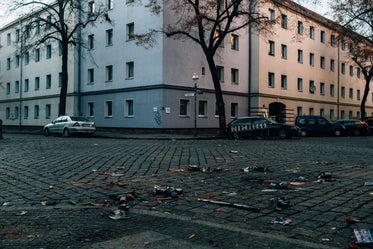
[(311, 125)]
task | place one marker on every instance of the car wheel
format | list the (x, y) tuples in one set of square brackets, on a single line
[(303, 133), (337, 133), (282, 134), (66, 132), (46, 132)]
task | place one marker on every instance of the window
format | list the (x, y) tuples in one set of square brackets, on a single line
[(129, 1), (322, 36), (203, 71), (16, 87), (202, 108), (47, 111), (342, 114), (129, 108), (17, 61), (343, 45), (300, 27), (109, 4), (36, 112), (48, 81), (271, 15), (284, 51), (25, 112), (91, 76), (49, 51), (26, 85), (284, 81), (37, 83), (91, 42), (8, 39), (351, 93), (284, 21), (7, 88), (8, 64), (220, 4), (322, 88), (60, 48), (312, 86), (17, 35), (37, 54), (37, 27), (184, 107), (27, 58), (300, 84), (130, 70), (91, 8), (271, 79), (300, 56), (343, 92), (331, 115), (311, 112), (217, 36), (108, 108), (109, 73), (271, 47), (322, 62), (332, 40), (322, 112), (351, 47), (343, 68), (350, 114), (220, 71), (7, 113), (358, 94), (109, 37), (312, 32), (234, 42), (358, 72), (358, 115), (90, 111), (59, 79), (48, 23), (299, 111), (351, 71), (130, 31), (27, 31), (234, 75), (312, 59), (234, 110), (16, 112), (332, 65)]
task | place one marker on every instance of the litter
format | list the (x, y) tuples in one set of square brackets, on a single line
[(109, 174), (234, 151), (362, 236), (193, 168), (352, 221), (281, 185), (231, 204), (21, 213), (281, 220), (368, 184), (118, 214), (325, 177), (167, 191), (279, 203), (254, 168)]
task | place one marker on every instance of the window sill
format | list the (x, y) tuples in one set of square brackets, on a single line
[(184, 116), (130, 78), (129, 116)]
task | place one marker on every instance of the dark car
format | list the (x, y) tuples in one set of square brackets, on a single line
[(369, 121), (354, 127), (311, 125), (259, 127)]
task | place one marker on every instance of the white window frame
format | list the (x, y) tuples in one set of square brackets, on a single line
[(300, 84), (91, 76), (90, 109), (109, 37), (130, 31), (130, 70), (108, 104), (234, 42), (202, 106), (129, 103), (91, 41), (49, 51), (284, 82), (234, 108), (187, 108), (235, 76), (220, 71), (109, 73)]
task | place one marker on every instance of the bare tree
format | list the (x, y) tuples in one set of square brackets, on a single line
[(356, 18), (207, 23), (61, 21)]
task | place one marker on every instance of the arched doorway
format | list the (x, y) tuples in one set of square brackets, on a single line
[(277, 111)]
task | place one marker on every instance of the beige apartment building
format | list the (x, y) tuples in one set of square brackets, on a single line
[(303, 68)]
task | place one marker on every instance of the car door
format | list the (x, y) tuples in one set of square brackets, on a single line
[(53, 127), (323, 126)]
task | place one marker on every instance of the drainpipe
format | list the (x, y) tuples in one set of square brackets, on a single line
[(338, 80), (250, 69), (79, 62), (20, 77)]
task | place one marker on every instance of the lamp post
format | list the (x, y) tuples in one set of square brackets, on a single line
[(195, 80)]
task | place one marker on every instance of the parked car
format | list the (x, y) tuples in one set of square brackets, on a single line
[(311, 125), (369, 121), (354, 127), (257, 126), (66, 125)]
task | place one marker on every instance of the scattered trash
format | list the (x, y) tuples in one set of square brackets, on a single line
[(351, 246), (167, 191), (288, 182), (352, 221), (109, 174), (325, 163), (325, 177), (192, 236), (6, 204), (279, 203), (302, 179), (282, 221), (362, 236), (254, 168), (21, 213), (368, 184), (218, 210), (325, 239), (193, 168), (234, 151), (48, 203), (118, 214), (231, 204), (281, 185)]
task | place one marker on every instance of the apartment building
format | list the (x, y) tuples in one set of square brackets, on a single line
[(300, 68)]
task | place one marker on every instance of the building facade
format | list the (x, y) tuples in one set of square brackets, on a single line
[(299, 68)]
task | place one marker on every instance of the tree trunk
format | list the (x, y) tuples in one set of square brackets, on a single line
[(63, 94), (368, 78), (218, 94)]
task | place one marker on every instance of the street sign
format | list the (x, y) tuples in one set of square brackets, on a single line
[(189, 94)]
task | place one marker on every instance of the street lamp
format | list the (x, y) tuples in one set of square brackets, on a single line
[(195, 80)]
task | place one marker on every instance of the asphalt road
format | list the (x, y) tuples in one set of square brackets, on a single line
[(59, 192)]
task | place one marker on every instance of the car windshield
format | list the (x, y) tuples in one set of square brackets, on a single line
[(79, 119)]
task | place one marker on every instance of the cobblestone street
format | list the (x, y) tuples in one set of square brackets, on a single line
[(58, 192)]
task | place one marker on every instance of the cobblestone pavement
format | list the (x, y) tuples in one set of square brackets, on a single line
[(57, 192)]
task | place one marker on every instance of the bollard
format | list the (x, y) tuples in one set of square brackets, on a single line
[(1, 129)]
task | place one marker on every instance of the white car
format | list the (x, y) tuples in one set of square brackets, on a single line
[(66, 125)]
